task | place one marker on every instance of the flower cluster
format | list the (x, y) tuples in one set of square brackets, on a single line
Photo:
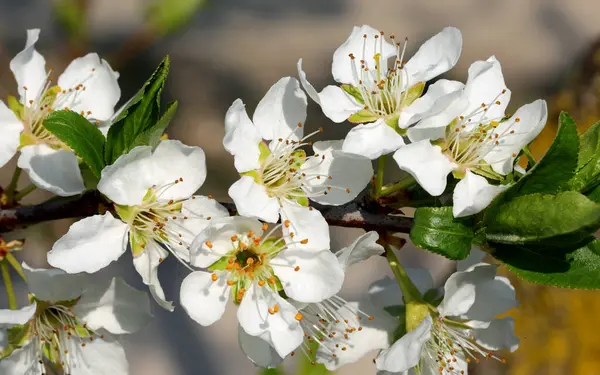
[(270, 252)]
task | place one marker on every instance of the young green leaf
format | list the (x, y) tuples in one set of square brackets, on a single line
[(151, 136), (578, 269), (80, 135), (545, 220), (435, 229), (139, 116), (588, 166)]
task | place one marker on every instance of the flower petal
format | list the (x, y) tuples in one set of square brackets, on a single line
[(364, 48), (283, 107), (90, 244), (128, 179), (241, 138), (146, 264), (10, 132), (374, 334), (372, 140), (258, 350), (338, 177), (527, 123), (473, 194), (29, 68), (54, 170), (492, 298), (460, 290), (101, 89), (114, 306), (305, 223), (100, 357), (406, 352), (281, 329), (11, 318), (219, 233), (426, 163), (485, 85), (51, 284), (197, 213), (252, 200), (360, 250), (203, 299), (386, 292), (22, 361), (499, 335), (436, 56), (308, 275)]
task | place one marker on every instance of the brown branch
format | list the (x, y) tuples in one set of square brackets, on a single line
[(355, 214)]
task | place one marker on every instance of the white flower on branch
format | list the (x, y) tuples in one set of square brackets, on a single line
[(278, 179), (471, 138), (253, 266), (87, 86), (69, 324), (152, 191), (382, 97)]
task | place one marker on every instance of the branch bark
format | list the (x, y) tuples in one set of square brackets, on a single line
[(354, 214)]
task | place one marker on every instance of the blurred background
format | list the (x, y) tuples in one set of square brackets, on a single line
[(226, 49)]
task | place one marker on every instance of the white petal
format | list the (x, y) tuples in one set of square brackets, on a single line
[(51, 284), (11, 318), (90, 244), (386, 292), (473, 194), (29, 68), (258, 350), (436, 56), (114, 306), (374, 334), (426, 163), (337, 105), (252, 200), (363, 49), (319, 275), (219, 233), (3, 339), (10, 133), (372, 140), (484, 86), (54, 170), (406, 352), (350, 174), (460, 290), (532, 119), (281, 330), (241, 138), (492, 298), (22, 361), (100, 357), (101, 92), (146, 264), (433, 125), (305, 223), (198, 210), (203, 299), (283, 107), (438, 97), (127, 181), (475, 256), (360, 250), (499, 335)]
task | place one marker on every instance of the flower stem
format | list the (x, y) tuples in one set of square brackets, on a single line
[(400, 185), (24, 192), (10, 292), (409, 290), (379, 174), (529, 156), (12, 186)]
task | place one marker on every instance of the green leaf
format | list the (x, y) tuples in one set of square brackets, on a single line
[(435, 229), (546, 220), (167, 16), (353, 92), (80, 135), (588, 164), (578, 269), (151, 136), (362, 116), (138, 117)]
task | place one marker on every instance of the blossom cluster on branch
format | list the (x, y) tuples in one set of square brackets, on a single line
[(269, 254)]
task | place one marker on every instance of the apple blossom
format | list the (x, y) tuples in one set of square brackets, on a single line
[(88, 86), (382, 98), (156, 209)]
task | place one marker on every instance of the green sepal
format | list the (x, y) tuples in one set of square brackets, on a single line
[(138, 242), (16, 106), (412, 94), (363, 116), (26, 139), (415, 313), (254, 174), (264, 151), (126, 213), (353, 92)]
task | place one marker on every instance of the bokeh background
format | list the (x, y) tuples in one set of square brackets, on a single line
[(227, 49)]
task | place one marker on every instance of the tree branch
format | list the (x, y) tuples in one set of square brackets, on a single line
[(355, 214)]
